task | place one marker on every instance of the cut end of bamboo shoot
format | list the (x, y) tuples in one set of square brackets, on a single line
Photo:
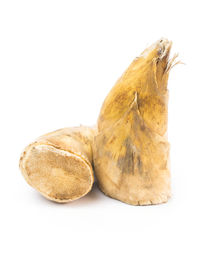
[(58, 164)]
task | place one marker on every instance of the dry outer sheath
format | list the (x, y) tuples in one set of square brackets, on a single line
[(58, 164), (131, 151)]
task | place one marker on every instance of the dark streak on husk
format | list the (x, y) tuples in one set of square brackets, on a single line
[(126, 162)]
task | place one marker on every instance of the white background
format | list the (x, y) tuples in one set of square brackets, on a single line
[(58, 61)]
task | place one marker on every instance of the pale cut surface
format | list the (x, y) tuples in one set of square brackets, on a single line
[(58, 164), (131, 151)]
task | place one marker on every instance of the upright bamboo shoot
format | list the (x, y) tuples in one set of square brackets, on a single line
[(131, 151)]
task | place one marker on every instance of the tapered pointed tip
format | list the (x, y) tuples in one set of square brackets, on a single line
[(159, 49)]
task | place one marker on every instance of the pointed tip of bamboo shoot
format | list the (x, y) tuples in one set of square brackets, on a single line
[(158, 50)]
